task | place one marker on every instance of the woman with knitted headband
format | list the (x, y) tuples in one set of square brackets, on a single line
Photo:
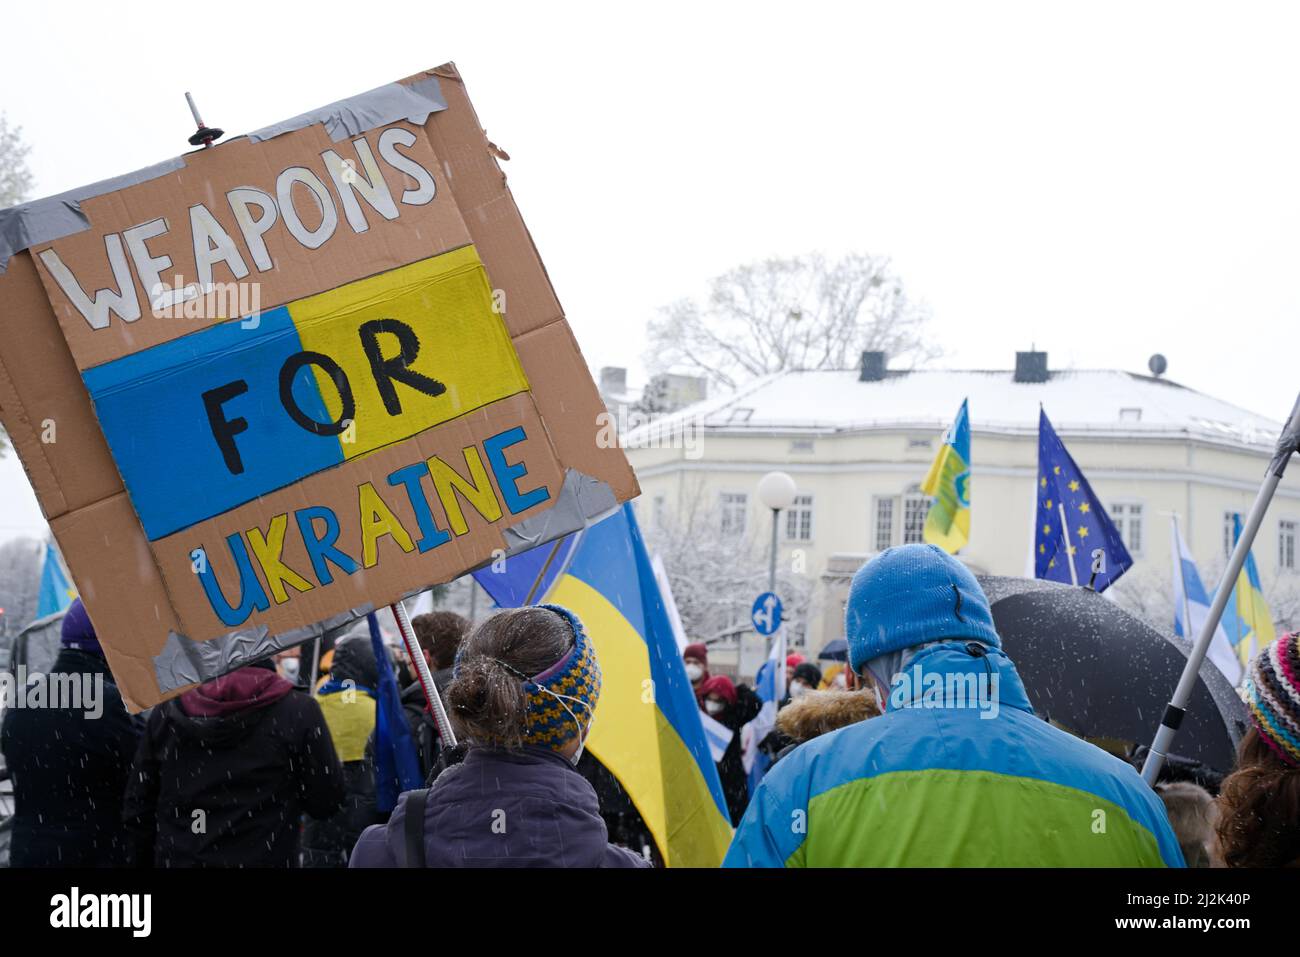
[(525, 688), (1259, 803)]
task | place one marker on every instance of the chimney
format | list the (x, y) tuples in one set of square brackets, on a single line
[(872, 368), (1031, 367), (613, 380)]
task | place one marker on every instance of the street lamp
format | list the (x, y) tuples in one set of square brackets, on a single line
[(776, 490)]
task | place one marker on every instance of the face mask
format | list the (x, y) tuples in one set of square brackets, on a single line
[(694, 672), (840, 682), (289, 669), (714, 707), (582, 745), (798, 689)]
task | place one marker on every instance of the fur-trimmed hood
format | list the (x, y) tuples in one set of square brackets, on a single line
[(820, 712)]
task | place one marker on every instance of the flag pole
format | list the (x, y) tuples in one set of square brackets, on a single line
[(1235, 600), (1069, 549), (1287, 443), (315, 666), (422, 672), (541, 575)]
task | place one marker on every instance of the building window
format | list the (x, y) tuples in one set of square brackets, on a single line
[(801, 445), (915, 508), (798, 519), (1228, 533), (1286, 545), (884, 523), (733, 513), (1128, 519)]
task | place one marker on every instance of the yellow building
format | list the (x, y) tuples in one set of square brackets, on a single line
[(858, 443)]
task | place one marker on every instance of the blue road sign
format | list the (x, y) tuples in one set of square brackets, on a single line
[(766, 613)]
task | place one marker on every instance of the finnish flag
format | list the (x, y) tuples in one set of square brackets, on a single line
[(1192, 601), (718, 734)]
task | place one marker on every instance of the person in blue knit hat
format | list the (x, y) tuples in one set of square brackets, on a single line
[(958, 770), (903, 600)]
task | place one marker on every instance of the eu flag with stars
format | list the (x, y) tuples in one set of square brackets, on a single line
[(1087, 527)]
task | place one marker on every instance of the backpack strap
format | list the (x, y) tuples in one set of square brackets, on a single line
[(413, 830)]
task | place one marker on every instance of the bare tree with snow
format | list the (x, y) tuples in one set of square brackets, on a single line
[(716, 576), (1146, 593), (806, 312), (1284, 600), (15, 177), (21, 562), (15, 182)]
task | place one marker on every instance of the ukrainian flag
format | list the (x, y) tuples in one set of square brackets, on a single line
[(1247, 619), (56, 591), (647, 729), (948, 522)]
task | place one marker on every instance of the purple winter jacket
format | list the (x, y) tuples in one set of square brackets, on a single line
[(497, 808)]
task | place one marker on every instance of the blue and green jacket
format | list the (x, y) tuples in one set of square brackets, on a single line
[(948, 777)]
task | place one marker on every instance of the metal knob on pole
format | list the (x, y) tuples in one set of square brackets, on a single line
[(1287, 443), (204, 136)]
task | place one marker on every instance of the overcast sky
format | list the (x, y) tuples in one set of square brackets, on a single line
[(1102, 180)]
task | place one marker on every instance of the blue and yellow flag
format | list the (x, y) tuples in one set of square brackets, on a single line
[(56, 591), (1071, 522), (1247, 619), (646, 730), (948, 482)]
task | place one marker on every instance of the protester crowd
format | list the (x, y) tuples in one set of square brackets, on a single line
[(863, 768)]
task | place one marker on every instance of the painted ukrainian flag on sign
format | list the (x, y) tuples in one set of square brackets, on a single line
[(228, 413), (1247, 618), (948, 482), (647, 730)]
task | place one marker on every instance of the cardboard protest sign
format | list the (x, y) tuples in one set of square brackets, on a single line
[(272, 384)]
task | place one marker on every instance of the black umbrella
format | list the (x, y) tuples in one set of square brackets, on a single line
[(1092, 667), (836, 650)]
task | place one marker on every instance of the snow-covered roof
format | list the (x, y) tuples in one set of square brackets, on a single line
[(1106, 401)]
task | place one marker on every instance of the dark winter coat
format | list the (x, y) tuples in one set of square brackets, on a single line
[(622, 819), (731, 769), (424, 730), (237, 760), (526, 808), (69, 771), (350, 716), (328, 843)]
